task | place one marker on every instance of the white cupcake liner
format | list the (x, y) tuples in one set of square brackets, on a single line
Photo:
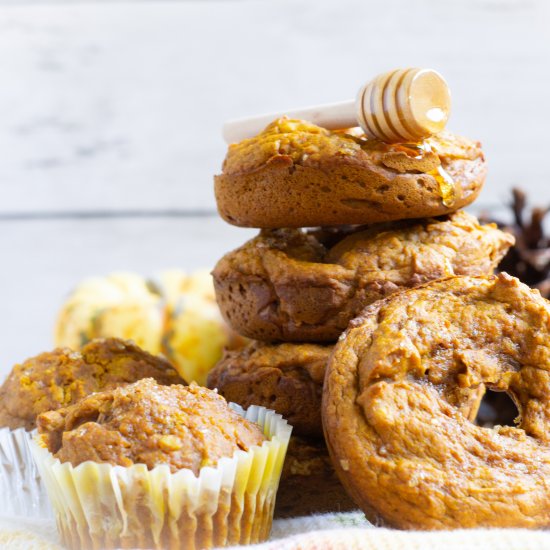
[(104, 506), (22, 492)]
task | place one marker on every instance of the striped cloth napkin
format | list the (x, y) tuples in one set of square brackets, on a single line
[(349, 531)]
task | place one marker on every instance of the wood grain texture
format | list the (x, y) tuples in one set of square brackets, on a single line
[(120, 105), (43, 260)]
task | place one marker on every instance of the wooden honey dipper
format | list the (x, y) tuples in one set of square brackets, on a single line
[(400, 106)]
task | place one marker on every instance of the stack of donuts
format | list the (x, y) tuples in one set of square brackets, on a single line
[(350, 225)]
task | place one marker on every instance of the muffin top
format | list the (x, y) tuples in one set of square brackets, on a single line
[(62, 377), (147, 423)]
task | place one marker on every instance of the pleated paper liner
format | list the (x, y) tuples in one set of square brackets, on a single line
[(100, 506), (21, 490)]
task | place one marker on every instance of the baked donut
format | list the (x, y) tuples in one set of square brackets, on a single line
[(287, 378), (392, 394), (296, 174), (309, 484), (305, 286)]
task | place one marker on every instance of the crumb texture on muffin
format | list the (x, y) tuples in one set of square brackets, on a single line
[(62, 377), (151, 424)]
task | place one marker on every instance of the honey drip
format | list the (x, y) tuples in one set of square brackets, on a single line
[(447, 188), (414, 150), (445, 182)]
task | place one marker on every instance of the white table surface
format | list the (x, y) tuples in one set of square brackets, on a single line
[(110, 116)]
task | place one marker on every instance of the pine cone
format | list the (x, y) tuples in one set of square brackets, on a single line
[(529, 258)]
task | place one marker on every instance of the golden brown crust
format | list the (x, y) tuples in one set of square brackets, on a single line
[(147, 423), (62, 377), (287, 378), (292, 285), (296, 174), (390, 406), (309, 484)]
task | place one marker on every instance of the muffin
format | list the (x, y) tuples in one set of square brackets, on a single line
[(306, 285), (309, 484), (287, 378), (152, 466), (47, 382), (62, 377), (297, 174)]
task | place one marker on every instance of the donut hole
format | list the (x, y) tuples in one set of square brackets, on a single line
[(497, 408)]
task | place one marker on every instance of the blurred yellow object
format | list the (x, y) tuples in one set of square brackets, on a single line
[(176, 283), (121, 305), (176, 315), (192, 337)]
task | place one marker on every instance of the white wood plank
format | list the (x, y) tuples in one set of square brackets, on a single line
[(119, 105), (43, 261)]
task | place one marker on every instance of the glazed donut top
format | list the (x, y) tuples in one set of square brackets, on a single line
[(392, 389), (309, 145)]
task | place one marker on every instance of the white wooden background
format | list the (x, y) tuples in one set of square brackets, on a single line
[(110, 117)]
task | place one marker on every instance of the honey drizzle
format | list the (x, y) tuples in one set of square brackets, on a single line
[(446, 184), (414, 150)]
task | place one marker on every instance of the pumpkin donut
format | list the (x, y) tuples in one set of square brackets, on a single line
[(296, 174), (305, 286), (287, 378), (391, 401)]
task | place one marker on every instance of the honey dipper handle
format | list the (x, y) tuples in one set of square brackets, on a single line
[(403, 105), (332, 116)]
